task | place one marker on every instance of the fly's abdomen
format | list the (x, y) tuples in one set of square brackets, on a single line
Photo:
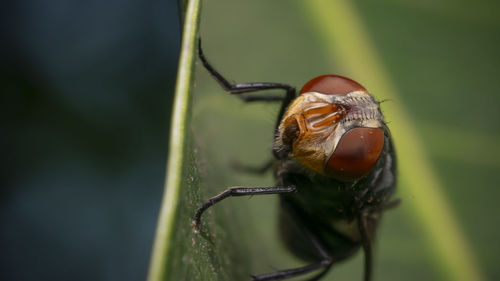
[(336, 236)]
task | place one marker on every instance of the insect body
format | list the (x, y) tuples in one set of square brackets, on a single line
[(334, 166)]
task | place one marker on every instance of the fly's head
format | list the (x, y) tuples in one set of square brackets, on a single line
[(334, 127)]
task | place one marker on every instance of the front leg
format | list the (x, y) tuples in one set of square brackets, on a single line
[(239, 191), (255, 170), (240, 88)]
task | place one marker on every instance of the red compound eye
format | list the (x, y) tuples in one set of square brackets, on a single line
[(332, 85), (356, 153)]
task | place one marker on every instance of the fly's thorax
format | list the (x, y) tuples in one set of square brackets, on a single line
[(330, 134)]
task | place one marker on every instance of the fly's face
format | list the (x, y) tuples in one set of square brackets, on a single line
[(334, 128)]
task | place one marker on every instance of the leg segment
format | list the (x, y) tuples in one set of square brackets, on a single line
[(256, 170), (322, 273), (324, 262), (250, 87), (367, 244), (289, 273), (239, 191)]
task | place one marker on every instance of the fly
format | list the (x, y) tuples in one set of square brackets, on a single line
[(334, 165)]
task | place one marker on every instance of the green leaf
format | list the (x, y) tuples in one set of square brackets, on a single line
[(180, 178), (423, 239), (178, 252)]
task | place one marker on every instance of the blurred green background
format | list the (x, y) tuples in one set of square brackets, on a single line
[(86, 96)]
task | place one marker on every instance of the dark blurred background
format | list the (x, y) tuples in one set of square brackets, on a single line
[(86, 91)]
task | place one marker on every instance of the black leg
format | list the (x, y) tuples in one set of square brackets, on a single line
[(289, 273), (367, 244), (325, 263), (239, 191), (251, 87), (258, 170), (266, 98), (322, 273), (325, 260)]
